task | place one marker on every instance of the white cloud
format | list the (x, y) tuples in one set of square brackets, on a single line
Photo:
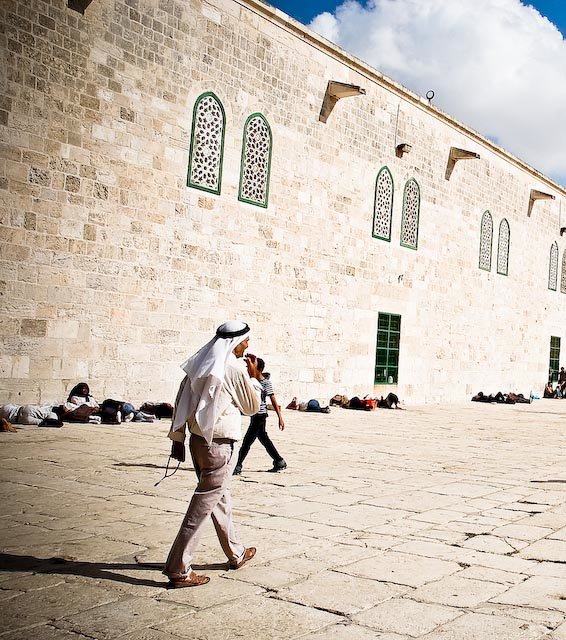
[(497, 65)]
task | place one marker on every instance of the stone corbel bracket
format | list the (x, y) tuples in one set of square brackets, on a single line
[(78, 5), (458, 154), (537, 195), (335, 91)]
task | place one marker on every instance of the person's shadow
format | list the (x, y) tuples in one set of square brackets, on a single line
[(97, 570)]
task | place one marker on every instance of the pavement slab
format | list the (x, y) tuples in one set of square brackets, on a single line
[(339, 593), (407, 617), (435, 522), (117, 618), (350, 631), (261, 617), (538, 592), (474, 626), (46, 605), (45, 632), (401, 568), (455, 591), (551, 550)]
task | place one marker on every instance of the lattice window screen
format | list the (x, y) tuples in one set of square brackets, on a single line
[(256, 160), (383, 205), (410, 218), (207, 144), (503, 248), (553, 268), (563, 277), (486, 239)]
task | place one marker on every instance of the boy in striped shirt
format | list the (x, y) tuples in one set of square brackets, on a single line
[(257, 428)]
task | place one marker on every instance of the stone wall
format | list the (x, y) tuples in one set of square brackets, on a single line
[(113, 270)]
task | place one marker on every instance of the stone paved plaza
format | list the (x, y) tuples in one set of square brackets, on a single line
[(436, 522)]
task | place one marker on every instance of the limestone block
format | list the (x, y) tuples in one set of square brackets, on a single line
[(490, 544), (20, 366), (522, 531), (473, 626), (263, 617), (6, 364), (55, 602), (35, 328), (401, 568), (455, 591), (225, 590), (340, 593), (538, 592), (405, 616), (122, 617), (552, 550)]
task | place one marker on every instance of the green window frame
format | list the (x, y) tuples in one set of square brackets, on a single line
[(411, 213), (503, 248), (383, 205), (255, 165), (387, 348), (486, 241), (206, 152), (554, 358)]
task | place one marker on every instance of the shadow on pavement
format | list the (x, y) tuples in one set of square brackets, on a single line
[(100, 570)]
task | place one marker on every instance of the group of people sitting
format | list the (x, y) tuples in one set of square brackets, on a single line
[(502, 398), (559, 391), (81, 406)]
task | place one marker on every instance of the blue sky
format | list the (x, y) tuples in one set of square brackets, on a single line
[(497, 65), (305, 11)]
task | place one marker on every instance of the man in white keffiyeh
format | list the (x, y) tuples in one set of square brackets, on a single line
[(214, 394)]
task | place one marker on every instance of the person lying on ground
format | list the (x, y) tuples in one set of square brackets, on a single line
[(390, 402), (33, 414), (312, 406)]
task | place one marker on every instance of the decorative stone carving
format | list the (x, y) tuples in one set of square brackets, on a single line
[(486, 239), (503, 248), (410, 220), (256, 158), (553, 268), (207, 143), (383, 205)]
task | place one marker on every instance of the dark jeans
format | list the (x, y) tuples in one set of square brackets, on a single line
[(257, 430)]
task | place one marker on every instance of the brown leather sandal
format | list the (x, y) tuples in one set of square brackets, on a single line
[(249, 553), (192, 580)]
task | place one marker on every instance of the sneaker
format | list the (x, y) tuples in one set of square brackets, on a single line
[(128, 417), (278, 466), (237, 470)]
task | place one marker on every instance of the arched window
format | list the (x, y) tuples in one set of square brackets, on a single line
[(486, 239), (207, 144), (563, 277), (256, 161), (383, 205), (410, 217), (553, 267), (503, 248)]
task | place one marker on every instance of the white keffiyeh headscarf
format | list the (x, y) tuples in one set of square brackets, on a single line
[(205, 378)]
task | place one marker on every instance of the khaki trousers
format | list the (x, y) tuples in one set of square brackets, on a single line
[(214, 465)]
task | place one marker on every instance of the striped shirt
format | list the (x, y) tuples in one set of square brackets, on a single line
[(266, 390)]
